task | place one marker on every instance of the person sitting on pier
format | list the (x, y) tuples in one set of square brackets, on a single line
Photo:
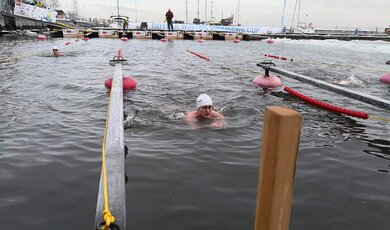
[(168, 18), (205, 111), (56, 52)]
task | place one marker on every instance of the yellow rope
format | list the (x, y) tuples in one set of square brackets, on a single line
[(107, 216), (380, 118)]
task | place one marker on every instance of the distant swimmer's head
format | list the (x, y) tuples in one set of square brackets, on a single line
[(204, 100), (56, 51)]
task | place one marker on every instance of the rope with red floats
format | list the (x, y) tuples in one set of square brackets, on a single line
[(326, 105), (278, 57), (198, 55), (313, 101)]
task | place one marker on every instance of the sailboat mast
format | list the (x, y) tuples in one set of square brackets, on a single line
[(186, 11), (293, 17), (211, 13), (283, 12), (136, 11), (198, 9), (205, 11), (75, 7), (117, 6), (299, 12), (238, 13)]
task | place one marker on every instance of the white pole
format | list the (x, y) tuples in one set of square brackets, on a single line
[(186, 11), (198, 10), (211, 14), (283, 12), (205, 12), (136, 11)]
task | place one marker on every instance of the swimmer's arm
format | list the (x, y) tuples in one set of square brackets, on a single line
[(220, 121), (190, 119)]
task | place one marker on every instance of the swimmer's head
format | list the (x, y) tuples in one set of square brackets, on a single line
[(203, 100)]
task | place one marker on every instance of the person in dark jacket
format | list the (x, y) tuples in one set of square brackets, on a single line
[(168, 18)]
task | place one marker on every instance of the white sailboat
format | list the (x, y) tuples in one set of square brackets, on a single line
[(302, 27), (118, 21)]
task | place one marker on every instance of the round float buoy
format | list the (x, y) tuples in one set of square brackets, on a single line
[(385, 78), (85, 38), (267, 82), (124, 39), (129, 83), (200, 40), (164, 39), (388, 62), (236, 40), (41, 37), (270, 41)]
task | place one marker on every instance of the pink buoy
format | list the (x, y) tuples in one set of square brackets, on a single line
[(270, 41), (41, 37), (385, 78), (85, 38), (236, 40), (267, 82), (200, 40), (129, 83), (164, 39), (124, 39)]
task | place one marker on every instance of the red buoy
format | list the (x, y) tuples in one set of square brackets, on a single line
[(124, 39), (85, 38), (267, 82), (270, 41), (41, 37), (129, 83), (236, 40), (164, 39), (385, 78)]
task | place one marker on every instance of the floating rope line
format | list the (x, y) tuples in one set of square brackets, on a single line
[(324, 64), (278, 57), (107, 216), (313, 101), (326, 105)]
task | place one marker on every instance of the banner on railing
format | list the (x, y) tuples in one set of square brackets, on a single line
[(34, 12), (231, 29)]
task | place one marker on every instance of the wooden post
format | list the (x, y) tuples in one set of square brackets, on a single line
[(279, 150)]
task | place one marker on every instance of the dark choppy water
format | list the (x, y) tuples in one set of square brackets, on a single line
[(53, 116)]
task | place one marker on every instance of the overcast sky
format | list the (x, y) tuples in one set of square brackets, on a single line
[(322, 13)]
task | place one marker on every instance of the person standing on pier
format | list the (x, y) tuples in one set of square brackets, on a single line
[(168, 18)]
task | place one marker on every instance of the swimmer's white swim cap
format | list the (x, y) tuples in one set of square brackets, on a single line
[(203, 100)]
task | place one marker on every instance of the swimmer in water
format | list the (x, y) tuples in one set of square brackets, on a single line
[(205, 111), (351, 80), (56, 52)]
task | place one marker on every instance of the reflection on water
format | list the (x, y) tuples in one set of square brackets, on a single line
[(53, 118)]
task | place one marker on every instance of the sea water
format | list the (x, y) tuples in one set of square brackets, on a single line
[(53, 114)]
